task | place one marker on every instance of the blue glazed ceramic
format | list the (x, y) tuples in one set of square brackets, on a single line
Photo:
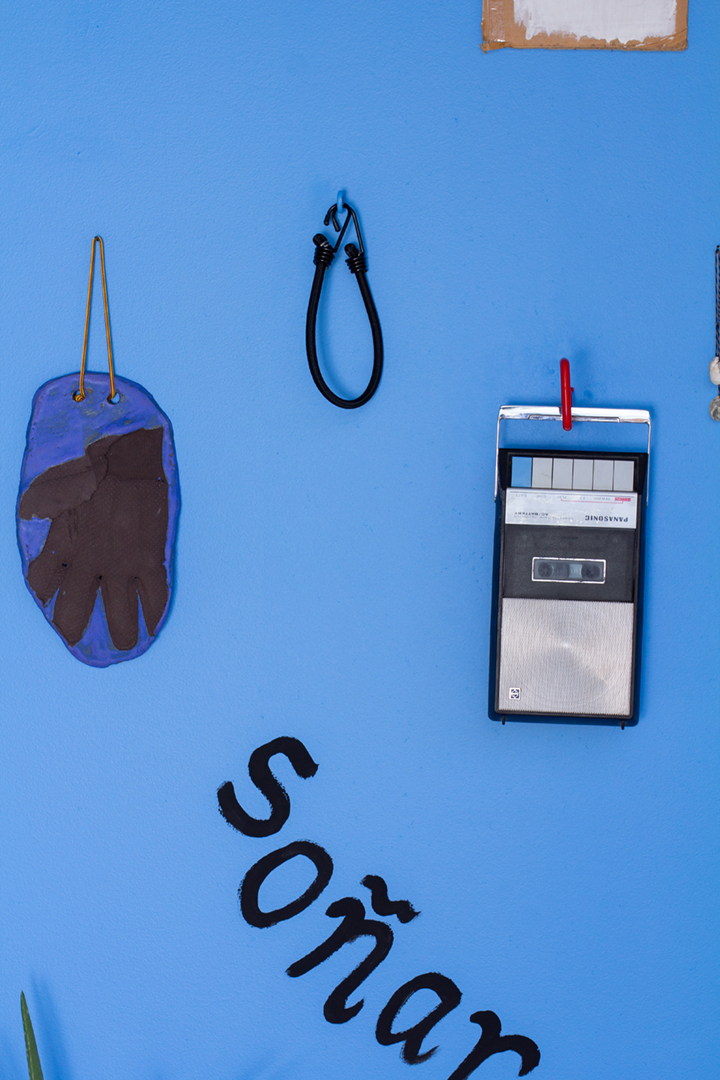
[(96, 516)]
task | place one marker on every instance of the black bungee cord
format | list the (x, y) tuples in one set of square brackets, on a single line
[(356, 260)]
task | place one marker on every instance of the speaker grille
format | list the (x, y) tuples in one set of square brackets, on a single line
[(565, 656)]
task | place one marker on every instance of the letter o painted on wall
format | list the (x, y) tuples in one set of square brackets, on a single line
[(250, 889)]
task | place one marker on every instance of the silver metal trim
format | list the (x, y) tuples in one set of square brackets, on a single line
[(554, 412), (568, 581)]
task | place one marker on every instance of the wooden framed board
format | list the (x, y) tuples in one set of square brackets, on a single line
[(585, 24)]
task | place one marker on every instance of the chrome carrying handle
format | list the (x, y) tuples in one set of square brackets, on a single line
[(553, 412)]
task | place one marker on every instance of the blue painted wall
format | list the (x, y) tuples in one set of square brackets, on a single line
[(334, 568)]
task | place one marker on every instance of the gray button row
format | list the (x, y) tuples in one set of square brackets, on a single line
[(583, 474)]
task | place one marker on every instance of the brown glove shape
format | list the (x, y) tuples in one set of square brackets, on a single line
[(109, 511)]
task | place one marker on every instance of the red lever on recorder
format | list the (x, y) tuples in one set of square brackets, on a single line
[(566, 393)]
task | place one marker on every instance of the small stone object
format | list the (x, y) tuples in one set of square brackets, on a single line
[(715, 371), (715, 408), (96, 516)]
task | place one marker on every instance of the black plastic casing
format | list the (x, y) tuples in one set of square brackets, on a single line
[(514, 547)]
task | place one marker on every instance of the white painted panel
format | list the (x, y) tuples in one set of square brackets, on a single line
[(605, 20)]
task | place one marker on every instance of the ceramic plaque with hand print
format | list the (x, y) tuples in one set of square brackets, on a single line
[(97, 512)]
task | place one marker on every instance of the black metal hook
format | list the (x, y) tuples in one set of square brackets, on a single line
[(356, 261), (332, 215)]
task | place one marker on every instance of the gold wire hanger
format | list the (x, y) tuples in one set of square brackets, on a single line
[(79, 395)]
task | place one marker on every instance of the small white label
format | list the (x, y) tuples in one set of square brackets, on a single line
[(514, 693), (590, 509)]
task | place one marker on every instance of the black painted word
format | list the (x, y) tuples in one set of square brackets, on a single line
[(354, 925)]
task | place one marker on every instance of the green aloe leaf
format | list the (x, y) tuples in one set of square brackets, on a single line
[(33, 1057)]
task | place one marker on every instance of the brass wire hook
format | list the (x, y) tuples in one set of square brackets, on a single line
[(80, 393)]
